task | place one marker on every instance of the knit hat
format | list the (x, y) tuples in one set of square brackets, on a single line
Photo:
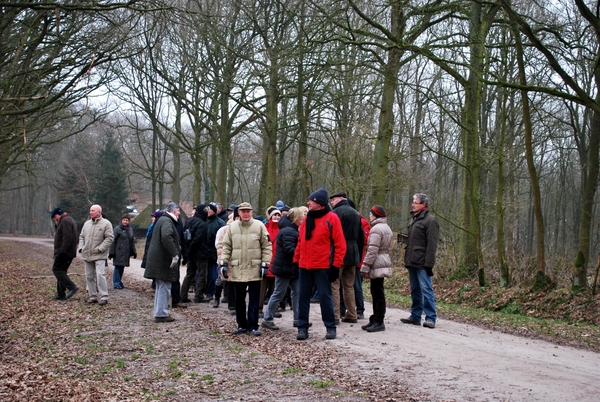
[(157, 214), (56, 211), (339, 194), (272, 211), (319, 196), (213, 206), (280, 204), (201, 211), (378, 211), (285, 208), (244, 206)]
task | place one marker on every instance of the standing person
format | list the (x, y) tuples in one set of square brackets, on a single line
[(377, 265), (197, 255), (122, 247), (162, 264), (227, 284), (94, 241), (319, 254), (155, 215), (355, 238), (283, 267), (268, 282), (213, 224), (247, 247), (419, 259), (65, 249)]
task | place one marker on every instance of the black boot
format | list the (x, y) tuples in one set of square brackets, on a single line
[(376, 327), (370, 324)]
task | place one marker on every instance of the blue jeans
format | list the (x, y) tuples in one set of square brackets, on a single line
[(118, 276), (422, 295), (319, 277), (358, 292), (212, 277), (281, 285)]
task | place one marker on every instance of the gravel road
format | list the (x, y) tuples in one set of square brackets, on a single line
[(454, 361)]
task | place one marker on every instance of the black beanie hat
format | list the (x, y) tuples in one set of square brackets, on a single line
[(320, 197)]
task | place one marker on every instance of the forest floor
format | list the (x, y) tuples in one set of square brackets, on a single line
[(52, 350)]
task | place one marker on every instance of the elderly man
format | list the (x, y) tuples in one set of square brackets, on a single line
[(319, 254), (65, 249), (247, 247), (354, 236), (94, 242), (162, 262), (419, 259)]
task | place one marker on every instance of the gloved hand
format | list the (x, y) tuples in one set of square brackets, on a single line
[(223, 269), (174, 262), (135, 256), (111, 256), (264, 269), (429, 271), (334, 274)]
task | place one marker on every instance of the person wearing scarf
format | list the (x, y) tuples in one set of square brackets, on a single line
[(319, 255)]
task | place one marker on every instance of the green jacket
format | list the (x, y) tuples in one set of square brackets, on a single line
[(164, 245), (245, 246)]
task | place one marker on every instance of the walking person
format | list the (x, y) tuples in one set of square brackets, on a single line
[(377, 265), (162, 264), (245, 254), (65, 249), (419, 259), (121, 249), (320, 254), (94, 242), (283, 267)]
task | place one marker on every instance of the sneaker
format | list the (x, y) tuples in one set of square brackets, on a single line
[(429, 324), (269, 324), (302, 335), (331, 334), (239, 331), (71, 293), (277, 315), (255, 332), (103, 302), (409, 321), (376, 327), (58, 297), (164, 319), (296, 324), (216, 303)]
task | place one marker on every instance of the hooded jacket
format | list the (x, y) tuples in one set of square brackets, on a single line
[(377, 262), (287, 240)]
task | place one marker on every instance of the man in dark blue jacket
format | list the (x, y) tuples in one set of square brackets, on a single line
[(196, 254)]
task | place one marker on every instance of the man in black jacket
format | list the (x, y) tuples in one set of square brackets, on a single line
[(196, 254), (355, 238), (65, 249), (419, 259)]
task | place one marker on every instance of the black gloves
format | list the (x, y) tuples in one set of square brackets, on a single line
[(111, 256), (223, 269), (334, 274), (429, 271), (264, 269)]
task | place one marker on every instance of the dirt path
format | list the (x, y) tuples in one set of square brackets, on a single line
[(452, 362)]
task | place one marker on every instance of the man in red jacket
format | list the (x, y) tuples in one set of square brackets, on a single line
[(319, 255)]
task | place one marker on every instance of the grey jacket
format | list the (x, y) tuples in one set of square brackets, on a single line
[(95, 239)]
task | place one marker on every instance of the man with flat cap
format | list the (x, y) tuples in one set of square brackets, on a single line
[(355, 239), (319, 254), (65, 249)]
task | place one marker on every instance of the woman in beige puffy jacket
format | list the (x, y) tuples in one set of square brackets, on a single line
[(377, 265)]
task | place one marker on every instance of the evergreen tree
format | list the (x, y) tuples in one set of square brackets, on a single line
[(109, 184)]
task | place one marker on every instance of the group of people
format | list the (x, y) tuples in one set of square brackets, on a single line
[(324, 251)]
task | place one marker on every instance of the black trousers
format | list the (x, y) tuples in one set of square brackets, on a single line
[(378, 295), (59, 269)]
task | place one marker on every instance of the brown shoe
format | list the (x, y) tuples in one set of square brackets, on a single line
[(409, 321), (91, 301), (103, 302), (352, 320), (164, 319)]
